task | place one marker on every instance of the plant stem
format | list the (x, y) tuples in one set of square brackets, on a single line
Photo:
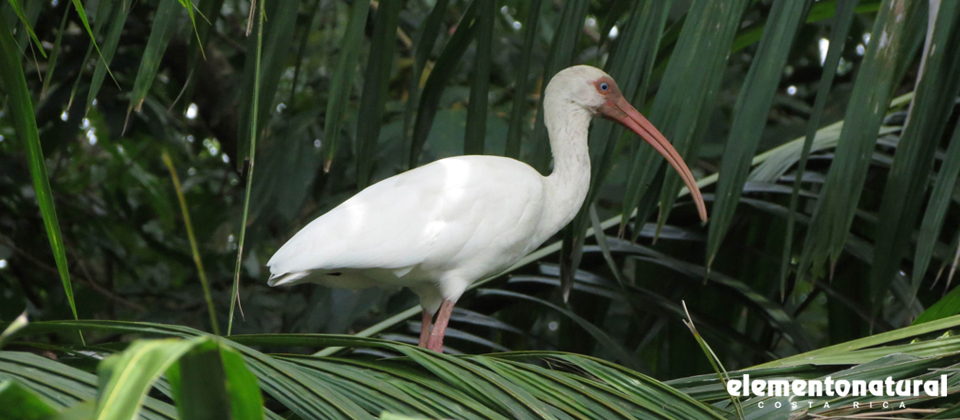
[(193, 241), (235, 293)]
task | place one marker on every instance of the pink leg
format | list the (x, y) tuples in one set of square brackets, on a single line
[(440, 328), (425, 327)]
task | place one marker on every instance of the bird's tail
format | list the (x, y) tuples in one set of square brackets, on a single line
[(286, 279)]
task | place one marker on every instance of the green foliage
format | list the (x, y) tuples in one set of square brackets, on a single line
[(377, 81), (476, 128), (78, 5), (443, 69), (16, 403), (913, 163), (686, 103), (27, 24), (109, 48), (803, 113), (838, 38), (832, 218), (749, 114), (163, 28), (518, 109), (937, 208), (20, 106), (210, 377), (13, 327), (566, 37), (193, 241), (346, 68), (253, 67)]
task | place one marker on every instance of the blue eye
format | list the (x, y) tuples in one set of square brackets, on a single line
[(604, 87)]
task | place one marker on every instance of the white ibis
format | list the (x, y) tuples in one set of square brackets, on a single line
[(440, 227)]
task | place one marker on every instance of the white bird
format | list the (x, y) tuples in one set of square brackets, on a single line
[(440, 227)]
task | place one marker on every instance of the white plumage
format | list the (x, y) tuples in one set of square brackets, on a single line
[(440, 227)]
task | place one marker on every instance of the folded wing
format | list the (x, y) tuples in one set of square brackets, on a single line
[(453, 206)]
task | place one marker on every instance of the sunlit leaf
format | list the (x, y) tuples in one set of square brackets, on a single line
[(17, 403)]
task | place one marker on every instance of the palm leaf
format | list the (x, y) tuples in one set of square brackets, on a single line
[(25, 126), (631, 62), (18, 403), (481, 384), (476, 129), (507, 385), (27, 24), (872, 91), (443, 69), (340, 89), (838, 37), (706, 35), (560, 56), (937, 207), (55, 53), (163, 27), (750, 114), (375, 83), (77, 4), (427, 39), (129, 375), (64, 386), (264, 67), (519, 108), (937, 87), (109, 48)]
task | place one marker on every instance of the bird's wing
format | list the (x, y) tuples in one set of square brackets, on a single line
[(451, 205)]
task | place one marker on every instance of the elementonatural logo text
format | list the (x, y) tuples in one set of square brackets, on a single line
[(816, 388)]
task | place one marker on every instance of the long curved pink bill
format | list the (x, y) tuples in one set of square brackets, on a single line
[(635, 121)]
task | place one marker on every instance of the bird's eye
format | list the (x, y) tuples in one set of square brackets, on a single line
[(604, 87)]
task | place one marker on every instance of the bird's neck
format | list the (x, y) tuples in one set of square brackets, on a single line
[(567, 125)]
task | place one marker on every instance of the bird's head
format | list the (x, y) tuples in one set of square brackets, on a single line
[(596, 92)]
